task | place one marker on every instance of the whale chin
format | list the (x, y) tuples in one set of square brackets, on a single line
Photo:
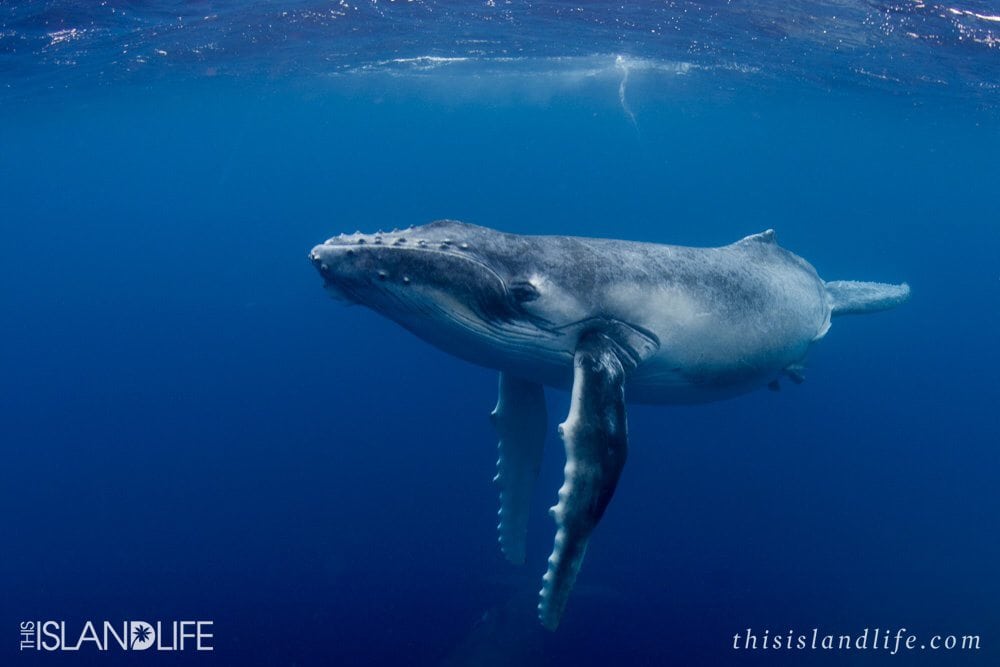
[(337, 294)]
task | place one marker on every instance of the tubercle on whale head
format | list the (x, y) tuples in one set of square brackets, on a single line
[(443, 234), (450, 279), (347, 257), (432, 271)]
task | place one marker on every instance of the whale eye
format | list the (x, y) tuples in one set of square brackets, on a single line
[(523, 291)]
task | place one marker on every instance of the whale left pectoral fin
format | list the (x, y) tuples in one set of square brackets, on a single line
[(520, 420), (796, 373), (596, 444)]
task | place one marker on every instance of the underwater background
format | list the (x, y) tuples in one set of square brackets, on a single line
[(192, 429)]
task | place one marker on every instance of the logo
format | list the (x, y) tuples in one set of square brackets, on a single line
[(116, 636), (143, 635)]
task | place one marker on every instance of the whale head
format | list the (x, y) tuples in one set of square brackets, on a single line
[(463, 288)]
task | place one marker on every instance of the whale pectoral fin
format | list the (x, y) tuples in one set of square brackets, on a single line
[(520, 421), (796, 373), (596, 441)]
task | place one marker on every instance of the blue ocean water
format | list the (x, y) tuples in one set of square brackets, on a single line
[(192, 429)]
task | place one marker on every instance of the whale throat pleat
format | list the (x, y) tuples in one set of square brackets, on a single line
[(520, 420), (596, 441)]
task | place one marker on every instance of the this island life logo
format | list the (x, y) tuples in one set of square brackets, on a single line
[(116, 636)]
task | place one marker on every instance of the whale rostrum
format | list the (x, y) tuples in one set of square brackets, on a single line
[(608, 320)]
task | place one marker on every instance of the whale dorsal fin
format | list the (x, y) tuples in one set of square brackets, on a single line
[(766, 236)]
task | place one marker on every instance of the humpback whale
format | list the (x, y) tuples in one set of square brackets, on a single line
[(608, 320)]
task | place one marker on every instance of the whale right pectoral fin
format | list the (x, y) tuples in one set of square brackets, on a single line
[(596, 441)]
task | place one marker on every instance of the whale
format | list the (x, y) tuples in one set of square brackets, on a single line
[(611, 321)]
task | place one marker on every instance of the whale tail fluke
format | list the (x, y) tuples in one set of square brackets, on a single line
[(852, 297)]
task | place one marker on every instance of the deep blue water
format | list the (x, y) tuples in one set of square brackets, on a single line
[(192, 429)]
